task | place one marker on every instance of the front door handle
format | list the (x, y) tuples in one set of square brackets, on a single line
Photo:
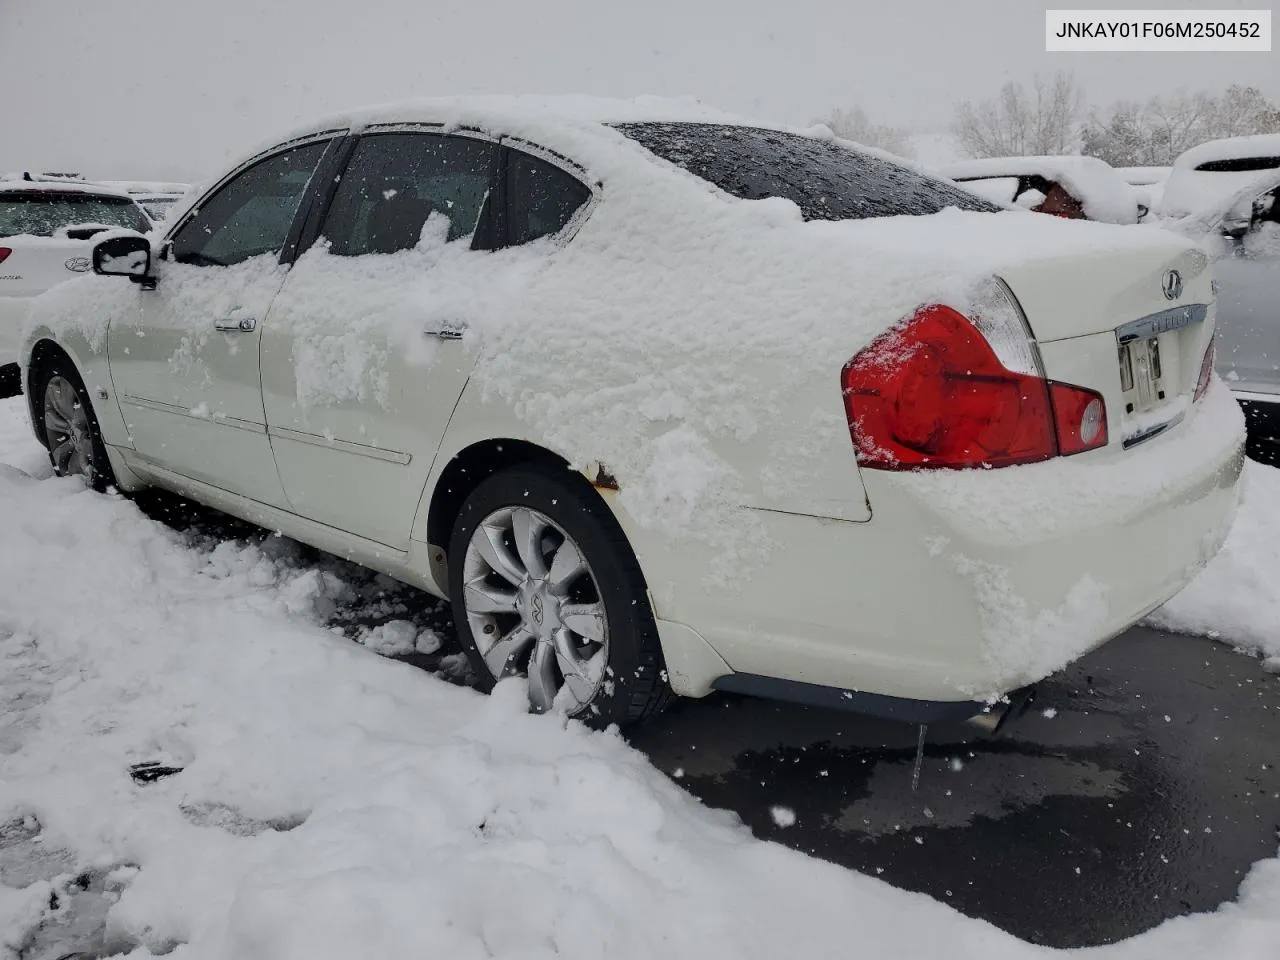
[(448, 330), (234, 325)]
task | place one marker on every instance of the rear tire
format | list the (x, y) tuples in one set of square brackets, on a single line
[(543, 584), (71, 430)]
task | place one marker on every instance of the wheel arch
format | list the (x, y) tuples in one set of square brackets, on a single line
[(467, 469), (44, 349)]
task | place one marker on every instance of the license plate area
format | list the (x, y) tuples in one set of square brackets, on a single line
[(1141, 374)]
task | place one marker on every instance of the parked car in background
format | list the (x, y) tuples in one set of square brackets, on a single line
[(1148, 183), (154, 196), (1213, 172), (45, 230), (1076, 188), (666, 402), (1243, 231)]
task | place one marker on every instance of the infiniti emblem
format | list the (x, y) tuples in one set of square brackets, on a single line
[(1172, 284), (536, 609)]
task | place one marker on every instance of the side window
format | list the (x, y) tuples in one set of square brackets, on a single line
[(395, 182), (251, 213), (541, 198)]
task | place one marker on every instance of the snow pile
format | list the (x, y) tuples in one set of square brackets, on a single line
[(1104, 194), (1190, 190), (334, 804), (1237, 596)]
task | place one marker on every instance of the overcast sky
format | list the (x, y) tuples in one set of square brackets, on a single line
[(172, 88)]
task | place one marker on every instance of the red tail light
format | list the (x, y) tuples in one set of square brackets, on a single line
[(933, 393), (1206, 368), (1079, 418), (4, 253)]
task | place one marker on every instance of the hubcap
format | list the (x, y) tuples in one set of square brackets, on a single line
[(534, 608), (66, 425)]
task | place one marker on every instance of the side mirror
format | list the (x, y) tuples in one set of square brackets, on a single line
[(124, 255)]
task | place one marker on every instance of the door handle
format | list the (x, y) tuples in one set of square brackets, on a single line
[(232, 325), (449, 330)]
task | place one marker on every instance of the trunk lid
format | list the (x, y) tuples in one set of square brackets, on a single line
[(35, 264), (1132, 323)]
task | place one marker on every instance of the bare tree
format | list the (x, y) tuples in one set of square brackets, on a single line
[(1156, 132), (852, 123), (1046, 118)]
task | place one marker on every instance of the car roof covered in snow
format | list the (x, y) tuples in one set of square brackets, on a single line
[(60, 186), (1192, 190), (1104, 194)]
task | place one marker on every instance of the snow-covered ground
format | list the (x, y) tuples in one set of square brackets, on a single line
[(336, 804)]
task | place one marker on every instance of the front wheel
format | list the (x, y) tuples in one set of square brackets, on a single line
[(543, 584), (70, 426)]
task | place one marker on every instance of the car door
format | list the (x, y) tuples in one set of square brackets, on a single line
[(366, 349), (1248, 326), (186, 365)]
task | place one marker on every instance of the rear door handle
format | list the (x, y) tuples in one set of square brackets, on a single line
[(234, 325)]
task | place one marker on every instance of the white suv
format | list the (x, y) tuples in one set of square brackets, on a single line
[(45, 226)]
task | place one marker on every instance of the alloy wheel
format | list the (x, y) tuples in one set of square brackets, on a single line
[(67, 428), (534, 608)]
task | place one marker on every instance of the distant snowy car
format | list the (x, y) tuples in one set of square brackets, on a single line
[(156, 197), (1148, 183), (1076, 188), (1243, 228), (666, 402), (1215, 171), (45, 226)]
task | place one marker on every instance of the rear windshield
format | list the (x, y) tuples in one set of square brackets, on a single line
[(40, 214), (1240, 165), (825, 180)]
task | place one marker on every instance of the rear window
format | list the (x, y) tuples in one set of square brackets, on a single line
[(1240, 165), (41, 214), (825, 180)]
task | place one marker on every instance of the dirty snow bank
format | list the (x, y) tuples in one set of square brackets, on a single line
[(1237, 596), (335, 804)]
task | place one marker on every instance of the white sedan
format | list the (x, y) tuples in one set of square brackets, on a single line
[(667, 402)]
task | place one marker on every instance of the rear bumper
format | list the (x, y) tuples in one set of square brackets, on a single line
[(966, 585)]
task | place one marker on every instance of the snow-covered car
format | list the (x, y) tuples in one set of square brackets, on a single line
[(1148, 183), (1213, 172), (1243, 230), (666, 402), (45, 230), (156, 197), (1076, 188)]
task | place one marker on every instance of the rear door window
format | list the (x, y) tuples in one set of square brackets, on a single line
[(825, 180), (396, 182), (541, 197)]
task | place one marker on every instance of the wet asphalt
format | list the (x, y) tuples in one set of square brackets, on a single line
[(1141, 785)]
